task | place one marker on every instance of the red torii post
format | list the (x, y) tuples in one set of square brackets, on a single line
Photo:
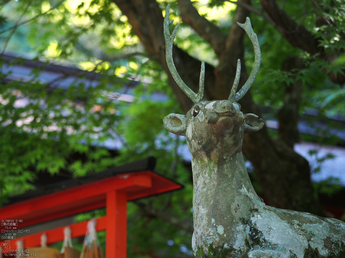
[(112, 192)]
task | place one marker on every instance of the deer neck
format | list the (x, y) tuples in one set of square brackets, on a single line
[(222, 197), (227, 175)]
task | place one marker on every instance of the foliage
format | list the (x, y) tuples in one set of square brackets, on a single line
[(42, 126), (56, 122)]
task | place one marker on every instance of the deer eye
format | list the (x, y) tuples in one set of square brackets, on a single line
[(196, 111)]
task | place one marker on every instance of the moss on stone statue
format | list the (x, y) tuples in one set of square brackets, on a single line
[(256, 237), (311, 253), (247, 243), (336, 251), (222, 252), (215, 252), (341, 253)]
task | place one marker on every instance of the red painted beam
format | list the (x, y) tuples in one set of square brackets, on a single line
[(159, 185), (76, 200)]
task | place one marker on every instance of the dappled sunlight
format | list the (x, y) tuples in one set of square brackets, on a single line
[(53, 49), (45, 6), (217, 12), (94, 66)]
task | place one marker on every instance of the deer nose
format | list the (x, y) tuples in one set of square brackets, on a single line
[(225, 106), (211, 117)]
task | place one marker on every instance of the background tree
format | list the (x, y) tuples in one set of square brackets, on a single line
[(56, 131)]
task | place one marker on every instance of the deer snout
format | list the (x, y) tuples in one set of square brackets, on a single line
[(225, 107)]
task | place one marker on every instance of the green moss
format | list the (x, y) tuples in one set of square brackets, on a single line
[(340, 254), (247, 243), (254, 211), (245, 221), (200, 253), (215, 252), (311, 253), (338, 251), (255, 236)]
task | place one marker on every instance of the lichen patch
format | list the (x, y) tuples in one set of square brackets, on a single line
[(220, 230), (279, 233), (209, 106), (320, 234), (201, 116)]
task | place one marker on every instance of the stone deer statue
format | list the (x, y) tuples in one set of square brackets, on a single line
[(230, 220)]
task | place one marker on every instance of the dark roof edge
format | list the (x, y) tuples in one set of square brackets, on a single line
[(48, 66), (139, 165)]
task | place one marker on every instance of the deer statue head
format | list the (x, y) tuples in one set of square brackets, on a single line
[(214, 129)]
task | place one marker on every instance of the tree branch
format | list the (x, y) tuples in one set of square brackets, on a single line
[(210, 32), (149, 28), (296, 34), (31, 19), (256, 11), (235, 37), (234, 50), (142, 24), (124, 56), (14, 28)]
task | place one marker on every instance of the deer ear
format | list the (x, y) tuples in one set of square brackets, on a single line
[(176, 123), (252, 123)]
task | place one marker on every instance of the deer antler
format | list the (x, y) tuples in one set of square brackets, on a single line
[(236, 81), (249, 30), (169, 43)]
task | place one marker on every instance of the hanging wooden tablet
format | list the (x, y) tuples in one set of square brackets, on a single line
[(42, 252)]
